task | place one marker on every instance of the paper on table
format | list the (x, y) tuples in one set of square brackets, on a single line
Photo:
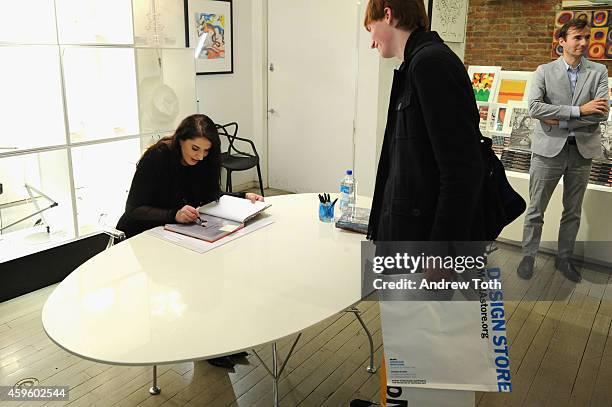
[(232, 208), (201, 246)]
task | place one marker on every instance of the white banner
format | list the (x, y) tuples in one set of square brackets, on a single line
[(453, 345)]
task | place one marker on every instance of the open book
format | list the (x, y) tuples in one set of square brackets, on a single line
[(219, 219)]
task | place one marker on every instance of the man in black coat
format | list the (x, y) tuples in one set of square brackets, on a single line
[(428, 184)]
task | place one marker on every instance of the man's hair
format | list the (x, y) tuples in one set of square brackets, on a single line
[(576, 23), (410, 14)]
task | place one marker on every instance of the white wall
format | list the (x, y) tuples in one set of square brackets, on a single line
[(231, 97), (242, 96), (367, 115)]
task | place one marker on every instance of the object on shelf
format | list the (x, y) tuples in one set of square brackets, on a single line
[(40, 211), (522, 128)]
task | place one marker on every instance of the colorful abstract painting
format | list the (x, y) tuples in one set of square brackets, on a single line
[(511, 89), (209, 26), (213, 26), (600, 46), (484, 82), (483, 111), (499, 120)]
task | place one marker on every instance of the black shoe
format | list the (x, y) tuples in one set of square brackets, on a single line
[(239, 358), (525, 268), (568, 269), (224, 362)]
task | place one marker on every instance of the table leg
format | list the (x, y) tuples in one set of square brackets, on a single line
[(371, 368), (276, 372), (154, 390)]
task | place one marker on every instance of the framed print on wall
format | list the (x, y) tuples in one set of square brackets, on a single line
[(484, 82), (208, 29)]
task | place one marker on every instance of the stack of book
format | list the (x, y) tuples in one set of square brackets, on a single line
[(355, 220), (601, 173), (516, 160)]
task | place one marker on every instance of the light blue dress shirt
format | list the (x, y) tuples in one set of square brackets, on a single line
[(572, 75)]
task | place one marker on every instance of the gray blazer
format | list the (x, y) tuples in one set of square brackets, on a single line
[(550, 97)]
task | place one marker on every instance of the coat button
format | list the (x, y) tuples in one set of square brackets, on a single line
[(416, 212)]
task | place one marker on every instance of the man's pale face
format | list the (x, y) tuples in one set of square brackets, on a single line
[(382, 35), (576, 42)]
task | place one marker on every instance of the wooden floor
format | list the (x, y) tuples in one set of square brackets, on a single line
[(561, 355)]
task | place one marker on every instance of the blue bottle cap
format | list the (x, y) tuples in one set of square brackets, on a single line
[(349, 172)]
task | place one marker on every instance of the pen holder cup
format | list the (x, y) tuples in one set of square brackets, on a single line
[(326, 212)]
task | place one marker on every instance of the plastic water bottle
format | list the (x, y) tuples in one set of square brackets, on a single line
[(347, 192)]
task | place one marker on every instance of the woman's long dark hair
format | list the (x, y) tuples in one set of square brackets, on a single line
[(194, 126)]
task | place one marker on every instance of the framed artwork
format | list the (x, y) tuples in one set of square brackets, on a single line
[(600, 46), (513, 85), (522, 126), (449, 19), (498, 118), (582, 3), (483, 111), (209, 31), (484, 82)]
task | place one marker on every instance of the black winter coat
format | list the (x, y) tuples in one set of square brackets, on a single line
[(429, 177)]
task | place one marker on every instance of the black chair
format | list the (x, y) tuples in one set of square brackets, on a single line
[(236, 160)]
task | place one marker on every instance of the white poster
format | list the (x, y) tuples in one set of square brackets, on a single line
[(448, 18), (451, 345)]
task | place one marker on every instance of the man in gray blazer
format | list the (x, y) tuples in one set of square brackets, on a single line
[(569, 97)]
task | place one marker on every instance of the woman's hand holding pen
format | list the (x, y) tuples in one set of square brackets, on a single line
[(187, 214), (253, 197)]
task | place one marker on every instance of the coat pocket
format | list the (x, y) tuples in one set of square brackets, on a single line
[(403, 126), (408, 222)]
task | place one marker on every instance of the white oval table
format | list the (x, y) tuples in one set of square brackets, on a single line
[(147, 301)]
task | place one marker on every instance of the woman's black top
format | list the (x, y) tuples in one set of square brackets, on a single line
[(162, 185)]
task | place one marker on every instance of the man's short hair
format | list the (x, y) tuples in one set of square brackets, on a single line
[(410, 14), (576, 23)]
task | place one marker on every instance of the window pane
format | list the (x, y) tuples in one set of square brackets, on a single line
[(159, 23), (28, 22), (102, 178), (25, 182), (100, 92), (31, 104), (94, 21), (166, 89)]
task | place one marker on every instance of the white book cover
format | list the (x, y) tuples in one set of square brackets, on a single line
[(233, 208)]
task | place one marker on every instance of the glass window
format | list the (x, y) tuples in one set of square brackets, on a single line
[(101, 94), (28, 22), (102, 177), (166, 94), (31, 104), (32, 183), (159, 23), (94, 21)]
